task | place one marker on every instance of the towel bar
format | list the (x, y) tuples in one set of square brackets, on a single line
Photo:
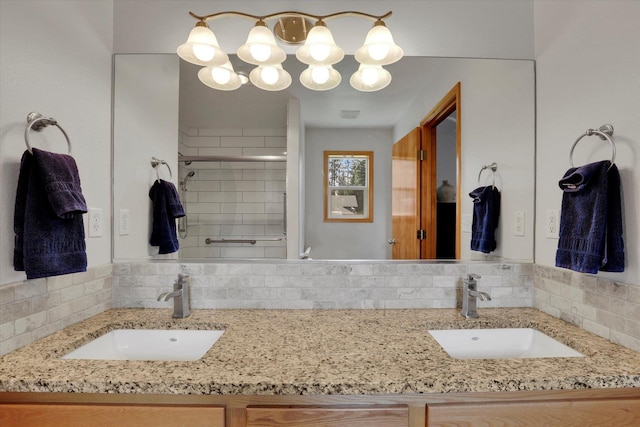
[(209, 241), (37, 122)]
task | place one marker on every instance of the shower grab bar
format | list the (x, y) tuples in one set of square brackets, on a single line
[(284, 214), (209, 241)]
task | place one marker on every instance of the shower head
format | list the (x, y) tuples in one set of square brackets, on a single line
[(186, 178), (186, 162)]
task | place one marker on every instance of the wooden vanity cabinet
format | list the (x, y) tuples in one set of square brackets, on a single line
[(561, 408), (327, 416), (560, 412), (109, 415)]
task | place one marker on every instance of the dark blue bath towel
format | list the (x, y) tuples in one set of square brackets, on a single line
[(48, 226), (486, 212), (166, 208), (591, 219)]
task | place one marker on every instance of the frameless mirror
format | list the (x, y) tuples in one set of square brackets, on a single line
[(244, 199)]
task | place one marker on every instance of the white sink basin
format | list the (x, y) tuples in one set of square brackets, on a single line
[(148, 344), (518, 343)]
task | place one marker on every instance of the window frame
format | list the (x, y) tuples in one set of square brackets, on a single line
[(367, 215)]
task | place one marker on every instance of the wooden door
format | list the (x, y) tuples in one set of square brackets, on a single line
[(448, 105), (405, 196)]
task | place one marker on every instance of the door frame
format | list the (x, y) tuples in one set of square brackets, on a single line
[(449, 103)]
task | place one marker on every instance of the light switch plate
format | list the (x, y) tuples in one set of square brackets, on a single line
[(95, 222)]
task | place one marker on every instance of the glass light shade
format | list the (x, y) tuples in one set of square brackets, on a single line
[(319, 48), (201, 48), (320, 77), (221, 78), (379, 47), (261, 47), (370, 78), (270, 77)]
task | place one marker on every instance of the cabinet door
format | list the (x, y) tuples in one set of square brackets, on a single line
[(83, 415), (561, 413), (322, 416)]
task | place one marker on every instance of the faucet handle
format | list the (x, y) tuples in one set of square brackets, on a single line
[(473, 276)]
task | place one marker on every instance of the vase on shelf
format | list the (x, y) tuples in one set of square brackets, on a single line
[(446, 193)]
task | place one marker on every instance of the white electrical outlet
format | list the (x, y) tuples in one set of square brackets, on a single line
[(467, 221), (123, 222), (518, 223), (552, 224), (95, 222)]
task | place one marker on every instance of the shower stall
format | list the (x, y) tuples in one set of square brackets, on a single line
[(235, 207)]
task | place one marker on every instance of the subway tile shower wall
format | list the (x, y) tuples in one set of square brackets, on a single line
[(317, 284), (233, 200)]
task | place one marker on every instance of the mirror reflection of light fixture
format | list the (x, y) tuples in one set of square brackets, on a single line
[(270, 77), (370, 78), (222, 77), (319, 51), (320, 77)]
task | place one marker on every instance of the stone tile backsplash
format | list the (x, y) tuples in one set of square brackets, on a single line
[(604, 307), (320, 284), (33, 309)]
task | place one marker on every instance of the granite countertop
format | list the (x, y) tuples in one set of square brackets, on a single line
[(293, 352)]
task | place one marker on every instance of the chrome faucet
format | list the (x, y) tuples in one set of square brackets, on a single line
[(470, 295), (181, 296)]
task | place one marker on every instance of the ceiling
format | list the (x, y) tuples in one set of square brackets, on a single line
[(250, 107)]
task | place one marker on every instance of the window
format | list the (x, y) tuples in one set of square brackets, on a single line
[(348, 186)]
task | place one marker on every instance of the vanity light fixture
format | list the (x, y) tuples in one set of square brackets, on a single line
[(319, 52)]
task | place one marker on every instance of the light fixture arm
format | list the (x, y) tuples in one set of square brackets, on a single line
[(289, 13)]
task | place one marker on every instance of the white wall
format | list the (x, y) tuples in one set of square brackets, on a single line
[(56, 59), (295, 180), (343, 240), (465, 28), (588, 74), (145, 115), (497, 126)]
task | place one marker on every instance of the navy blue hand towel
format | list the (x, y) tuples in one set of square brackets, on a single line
[(591, 219), (48, 226), (166, 208), (486, 213)]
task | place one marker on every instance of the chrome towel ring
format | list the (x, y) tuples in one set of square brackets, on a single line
[(605, 132), (493, 167), (37, 122), (155, 162)]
